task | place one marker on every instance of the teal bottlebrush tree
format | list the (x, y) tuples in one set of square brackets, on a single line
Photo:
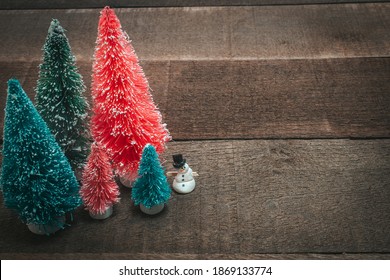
[(59, 97), (125, 117), (36, 179), (151, 189), (99, 190)]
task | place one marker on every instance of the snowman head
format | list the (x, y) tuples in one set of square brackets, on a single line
[(184, 168), (178, 161)]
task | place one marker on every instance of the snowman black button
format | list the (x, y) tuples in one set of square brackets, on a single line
[(183, 185)]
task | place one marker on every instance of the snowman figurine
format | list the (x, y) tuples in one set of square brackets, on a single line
[(184, 181)]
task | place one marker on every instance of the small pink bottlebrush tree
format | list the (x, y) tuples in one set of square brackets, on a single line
[(99, 190), (124, 118)]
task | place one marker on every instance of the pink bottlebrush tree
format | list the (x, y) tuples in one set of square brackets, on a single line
[(99, 190), (125, 117)]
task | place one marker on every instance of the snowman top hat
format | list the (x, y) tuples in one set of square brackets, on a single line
[(178, 161)]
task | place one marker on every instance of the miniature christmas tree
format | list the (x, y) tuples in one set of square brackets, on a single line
[(151, 187), (59, 97), (36, 179), (99, 190), (125, 117)]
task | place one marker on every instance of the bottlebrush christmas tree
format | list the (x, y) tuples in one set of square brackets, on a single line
[(99, 190), (36, 179), (151, 187), (59, 97), (125, 117)]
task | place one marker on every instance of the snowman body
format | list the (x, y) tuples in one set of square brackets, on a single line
[(184, 181)]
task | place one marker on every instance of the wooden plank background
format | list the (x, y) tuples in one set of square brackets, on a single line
[(325, 98), (179, 256), (213, 33), (76, 4), (252, 197), (274, 82), (283, 110)]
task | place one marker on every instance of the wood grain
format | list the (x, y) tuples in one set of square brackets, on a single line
[(74, 4), (249, 94), (322, 98), (178, 256), (212, 33), (303, 197), (279, 99)]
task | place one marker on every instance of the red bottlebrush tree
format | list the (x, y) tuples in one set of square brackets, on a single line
[(125, 117), (99, 190)]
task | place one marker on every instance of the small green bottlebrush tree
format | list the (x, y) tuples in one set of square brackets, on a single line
[(59, 97), (36, 178), (151, 187)]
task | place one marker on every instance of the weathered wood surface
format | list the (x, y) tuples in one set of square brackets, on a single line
[(77, 4), (252, 198), (213, 33), (279, 98), (266, 72), (141, 256), (321, 98)]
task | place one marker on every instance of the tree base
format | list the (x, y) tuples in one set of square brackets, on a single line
[(152, 210), (183, 187), (47, 229), (103, 216)]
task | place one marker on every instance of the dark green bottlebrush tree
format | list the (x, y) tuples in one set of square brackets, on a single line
[(36, 178), (151, 187), (59, 97)]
